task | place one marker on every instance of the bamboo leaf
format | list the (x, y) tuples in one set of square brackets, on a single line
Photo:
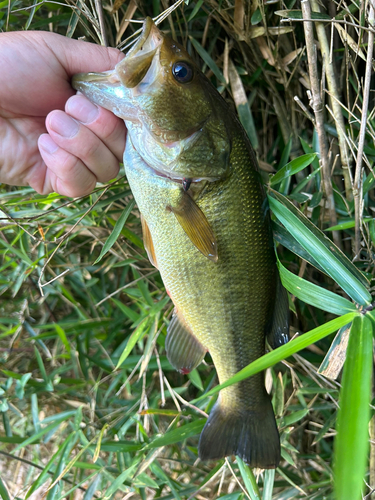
[(313, 294), (248, 479), (269, 478), (282, 352), (347, 224), (297, 14), (138, 333), (282, 236), (324, 252), (292, 168), (4, 491), (208, 60), (118, 482), (334, 359), (176, 435), (352, 441), (116, 231), (197, 6), (242, 104)]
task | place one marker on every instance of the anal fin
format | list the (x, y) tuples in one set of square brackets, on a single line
[(148, 243), (184, 351), (278, 333), (196, 226)]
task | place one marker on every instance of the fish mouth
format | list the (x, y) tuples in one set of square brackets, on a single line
[(113, 89), (149, 39)]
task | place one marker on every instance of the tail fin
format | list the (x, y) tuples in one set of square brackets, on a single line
[(251, 435)]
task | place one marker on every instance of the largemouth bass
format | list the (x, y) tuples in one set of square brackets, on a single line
[(206, 228)]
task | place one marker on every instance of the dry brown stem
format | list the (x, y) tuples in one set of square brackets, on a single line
[(362, 133), (319, 118), (103, 32), (335, 103)]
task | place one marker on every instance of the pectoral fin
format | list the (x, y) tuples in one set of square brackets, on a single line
[(184, 351), (148, 243), (196, 226), (279, 331)]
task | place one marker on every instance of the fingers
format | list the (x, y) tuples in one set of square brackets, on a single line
[(84, 145), (104, 124)]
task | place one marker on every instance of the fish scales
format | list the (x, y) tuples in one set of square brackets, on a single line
[(208, 194)]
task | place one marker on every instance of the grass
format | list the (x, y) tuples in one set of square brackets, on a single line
[(90, 406)]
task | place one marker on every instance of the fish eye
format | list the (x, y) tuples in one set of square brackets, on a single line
[(182, 72)]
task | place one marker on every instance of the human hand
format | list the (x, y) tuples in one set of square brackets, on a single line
[(83, 144)]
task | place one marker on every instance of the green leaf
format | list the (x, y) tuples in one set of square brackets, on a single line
[(347, 224), (351, 444), (248, 479), (158, 471), (197, 6), (292, 168), (293, 417), (328, 256), (94, 486), (314, 294), (63, 338), (208, 60), (282, 236), (269, 478), (282, 352), (297, 14), (176, 435), (196, 379), (333, 361), (118, 482), (116, 231), (138, 333), (44, 476), (246, 118), (3, 491)]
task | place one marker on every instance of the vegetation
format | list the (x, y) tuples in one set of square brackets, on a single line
[(90, 406)]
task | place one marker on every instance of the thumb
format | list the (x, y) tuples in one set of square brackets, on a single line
[(78, 56)]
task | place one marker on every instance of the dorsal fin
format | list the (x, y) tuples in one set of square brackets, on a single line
[(148, 243), (196, 226), (184, 351)]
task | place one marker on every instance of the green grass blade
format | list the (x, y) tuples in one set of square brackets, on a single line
[(91, 490), (248, 479), (319, 251), (197, 6), (118, 482), (351, 443), (116, 231), (347, 224), (292, 168), (269, 478), (44, 475), (3, 491), (314, 294), (208, 60), (323, 238), (283, 352), (282, 236), (176, 435), (134, 337)]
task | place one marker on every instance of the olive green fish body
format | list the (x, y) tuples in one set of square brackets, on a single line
[(206, 228)]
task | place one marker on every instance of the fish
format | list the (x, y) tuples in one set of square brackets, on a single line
[(206, 228)]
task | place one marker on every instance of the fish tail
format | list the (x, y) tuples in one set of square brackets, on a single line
[(248, 434)]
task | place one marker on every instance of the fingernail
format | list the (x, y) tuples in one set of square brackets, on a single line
[(46, 143), (82, 109), (63, 125)]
